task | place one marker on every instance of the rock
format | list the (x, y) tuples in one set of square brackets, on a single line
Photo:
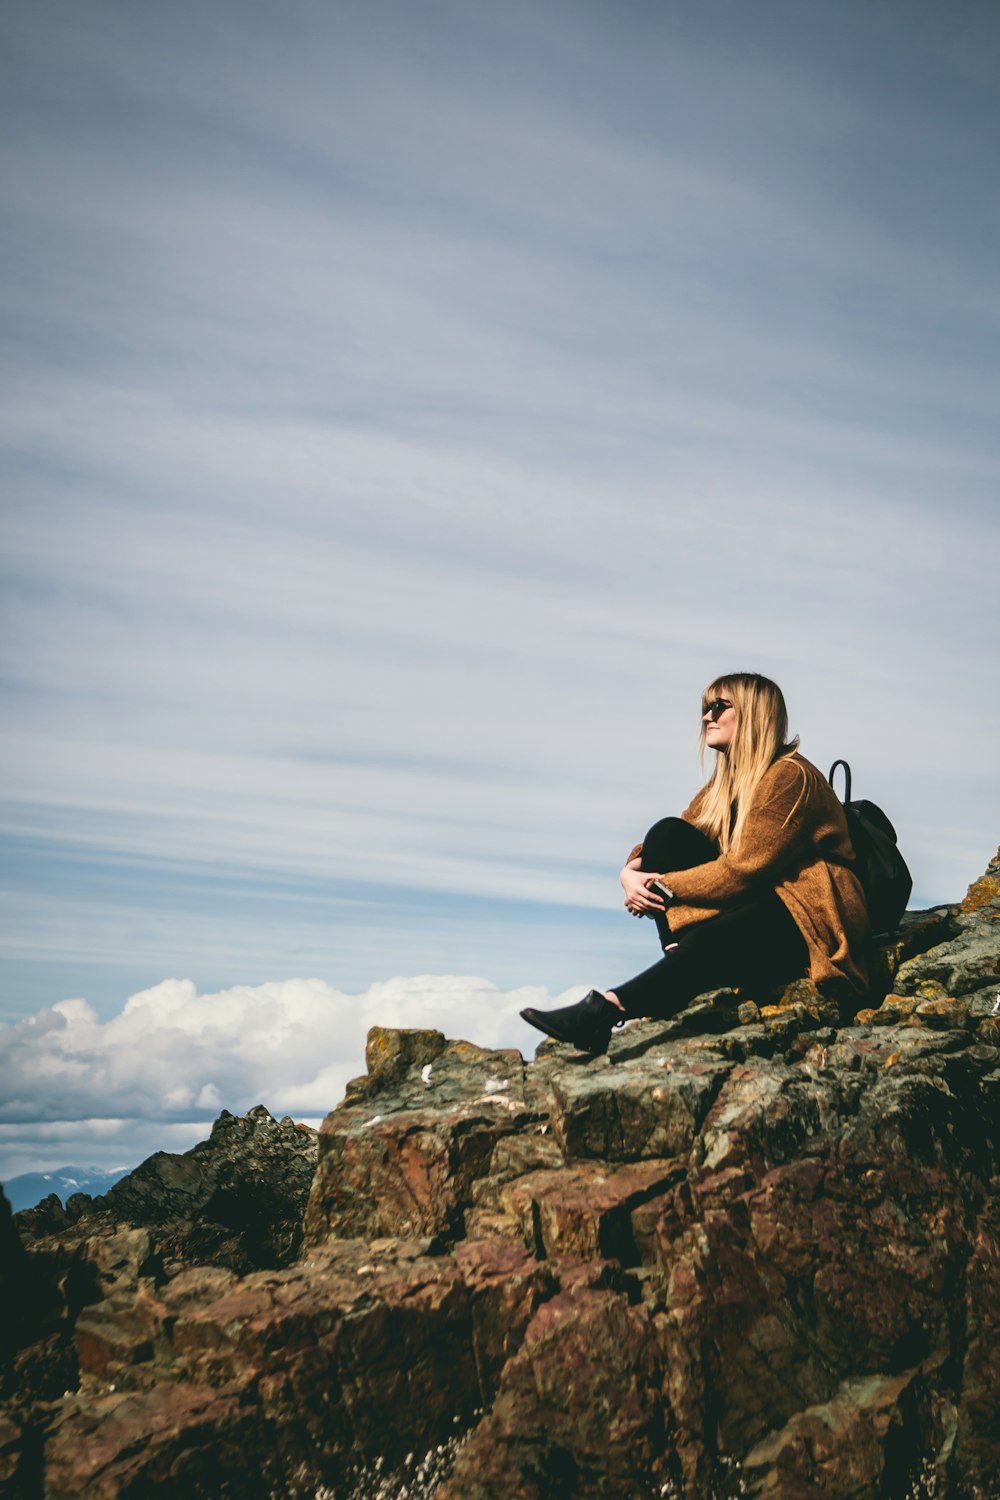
[(894, 1008), (943, 1014), (406, 1159), (390, 1054), (967, 963), (236, 1200), (583, 1209), (513, 1157), (970, 959), (810, 1004), (41, 1294), (13, 1263), (984, 893), (240, 1195), (753, 1250), (848, 1448), (640, 1107), (173, 1439), (978, 1431), (291, 1371), (13, 1476), (578, 1411), (988, 1030), (918, 931)]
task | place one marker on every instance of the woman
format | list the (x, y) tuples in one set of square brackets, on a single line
[(752, 885)]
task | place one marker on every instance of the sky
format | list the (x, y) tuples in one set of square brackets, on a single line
[(407, 410)]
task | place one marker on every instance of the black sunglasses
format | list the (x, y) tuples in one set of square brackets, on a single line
[(716, 709)]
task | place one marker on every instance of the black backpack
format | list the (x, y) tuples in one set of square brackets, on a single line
[(880, 867)]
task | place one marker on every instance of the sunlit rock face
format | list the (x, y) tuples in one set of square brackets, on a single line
[(752, 1251)]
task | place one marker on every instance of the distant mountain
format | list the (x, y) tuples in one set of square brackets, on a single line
[(31, 1187)]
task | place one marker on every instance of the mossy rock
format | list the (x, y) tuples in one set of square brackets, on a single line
[(391, 1052), (945, 1014)]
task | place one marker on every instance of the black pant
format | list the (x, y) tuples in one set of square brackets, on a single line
[(754, 942)]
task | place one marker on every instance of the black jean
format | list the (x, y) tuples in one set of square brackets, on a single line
[(754, 942)]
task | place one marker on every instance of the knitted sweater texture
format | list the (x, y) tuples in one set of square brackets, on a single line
[(794, 841)]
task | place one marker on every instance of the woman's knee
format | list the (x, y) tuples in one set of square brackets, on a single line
[(673, 844), (666, 828)]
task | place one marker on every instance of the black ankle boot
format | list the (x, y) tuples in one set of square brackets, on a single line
[(587, 1025)]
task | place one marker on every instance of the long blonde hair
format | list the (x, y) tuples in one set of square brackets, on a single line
[(760, 737)]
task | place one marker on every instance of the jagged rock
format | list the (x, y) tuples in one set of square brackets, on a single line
[(578, 1411), (389, 1055), (297, 1370), (13, 1265), (943, 1015), (978, 1427), (753, 1251), (41, 1295), (984, 892), (582, 1209), (405, 1159), (235, 1200), (173, 1439), (988, 1030), (968, 962), (859, 1443), (918, 931), (638, 1108)]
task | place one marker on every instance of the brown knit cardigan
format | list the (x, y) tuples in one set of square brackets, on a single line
[(794, 841)]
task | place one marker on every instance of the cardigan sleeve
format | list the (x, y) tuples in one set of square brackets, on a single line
[(777, 828)]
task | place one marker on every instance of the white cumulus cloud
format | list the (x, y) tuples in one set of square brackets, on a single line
[(154, 1075)]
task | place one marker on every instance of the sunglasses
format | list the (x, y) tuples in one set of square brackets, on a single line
[(716, 709)]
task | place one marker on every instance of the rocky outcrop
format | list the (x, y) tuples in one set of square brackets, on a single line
[(752, 1251), (234, 1200)]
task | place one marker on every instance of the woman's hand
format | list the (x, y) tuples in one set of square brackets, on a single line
[(639, 899)]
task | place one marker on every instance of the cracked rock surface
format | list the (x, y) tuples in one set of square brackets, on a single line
[(753, 1251)]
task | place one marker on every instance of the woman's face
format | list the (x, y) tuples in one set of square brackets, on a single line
[(720, 723)]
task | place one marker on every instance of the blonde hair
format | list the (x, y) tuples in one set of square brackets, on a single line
[(760, 737)]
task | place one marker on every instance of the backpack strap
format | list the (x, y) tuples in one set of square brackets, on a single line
[(847, 778)]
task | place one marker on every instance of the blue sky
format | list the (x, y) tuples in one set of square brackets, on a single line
[(406, 411)]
